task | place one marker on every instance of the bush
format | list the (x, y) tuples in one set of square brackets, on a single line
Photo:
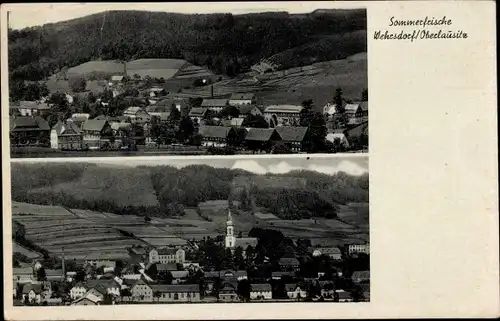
[(77, 83)]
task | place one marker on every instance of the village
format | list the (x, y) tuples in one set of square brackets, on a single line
[(267, 267), (191, 113)]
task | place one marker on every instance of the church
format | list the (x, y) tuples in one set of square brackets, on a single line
[(233, 242)]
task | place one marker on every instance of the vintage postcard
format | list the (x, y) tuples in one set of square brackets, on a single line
[(195, 161)]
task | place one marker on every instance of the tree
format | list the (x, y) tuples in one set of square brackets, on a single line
[(238, 258), (186, 129), (40, 274), (281, 148), (165, 277), (317, 131), (157, 295), (364, 95), (230, 112), (339, 101), (80, 276), (244, 289), (77, 83), (254, 121), (147, 219)]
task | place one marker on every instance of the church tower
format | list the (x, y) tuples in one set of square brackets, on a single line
[(230, 239)]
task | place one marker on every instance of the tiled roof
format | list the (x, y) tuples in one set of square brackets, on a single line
[(25, 104), (177, 288), (351, 107), (62, 127), (261, 287), (166, 267), (37, 288), (197, 112), (22, 271), (132, 110), (289, 261), (117, 78), (259, 134), (242, 96), (167, 251), (361, 275), (246, 109), (283, 109), (94, 124), (214, 102), (179, 274), (292, 134), (329, 250), (214, 131), (28, 123), (290, 287)]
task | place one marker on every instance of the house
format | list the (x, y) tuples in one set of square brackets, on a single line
[(167, 255), (233, 122), (283, 115), (66, 135), (108, 286), (289, 264), (343, 296), (227, 292), (179, 277), (29, 131), (87, 300), (295, 137), (333, 253), (238, 99), (219, 136), (157, 92), (261, 138), (280, 274), (293, 291), (23, 275), (197, 114), (215, 104), (261, 291), (31, 108), (358, 248), (327, 289), (161, 267), (354, 111), (137, 115), (117, 79), (329, 109), (360, 276), (141, 291), (54, 275), (32, 293), (176, 293), (162, 112), (246, 110), (96, 261), (96, 133), (338, 136), (357, 135)]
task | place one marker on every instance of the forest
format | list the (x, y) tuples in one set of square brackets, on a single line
[(225, 43), (175, 189)]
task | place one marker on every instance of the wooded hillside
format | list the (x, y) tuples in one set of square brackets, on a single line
[(165, 191), (225, 43)]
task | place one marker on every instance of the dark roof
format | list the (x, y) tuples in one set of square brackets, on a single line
[(197, 112), (259, 134), (291, 287), (214, 102), (292, 134), (167, 251), (280, 273), (289, 261), (94, 124), (361, 275), (246, 109), (175, 288), (214, 131), (62, 127), (242, 96), (37, 288), (25, 104), (28, 123), (166, 267), (329, 250), (261, 287)]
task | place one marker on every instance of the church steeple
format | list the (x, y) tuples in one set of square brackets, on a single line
[(230, 239)]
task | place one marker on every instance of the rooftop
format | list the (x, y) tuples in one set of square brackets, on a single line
[(214, 131), (283, 109), (292, 134)]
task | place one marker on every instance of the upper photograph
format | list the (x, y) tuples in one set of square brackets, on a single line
[(140, 83)]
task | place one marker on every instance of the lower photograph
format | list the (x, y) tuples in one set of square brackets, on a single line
[(190, 230)]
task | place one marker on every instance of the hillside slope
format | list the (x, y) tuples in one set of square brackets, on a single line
[(225, 43)]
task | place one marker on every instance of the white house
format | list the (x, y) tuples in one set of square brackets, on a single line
[(238, 99), (167, 255), (338, 135), (78, 290), (293, 291), (261, 291), (137, 114), (32, 293), (332, 252), (358, 248)]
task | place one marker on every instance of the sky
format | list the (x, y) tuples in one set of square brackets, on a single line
[(29, 15), (353, 164)]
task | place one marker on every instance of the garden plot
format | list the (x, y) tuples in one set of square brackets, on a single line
[(16, 248), (20, 208), (69, 239)]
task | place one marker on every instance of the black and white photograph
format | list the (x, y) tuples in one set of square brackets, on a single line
[(159, 230), (135, 82)]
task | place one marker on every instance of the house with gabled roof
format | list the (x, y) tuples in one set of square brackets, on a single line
[(227, 292), (238, 99), (296, 137), (66, 135), (261, 291), (289, 264), (293, 291), (360, 276), (215, 104), (141, 291), (261, 138), (246, 110), (167, 255), (333, 253), (29, 131), (32, 292), (96, 133), (137, 115), (218, 136), (197, 114), (31, 108)]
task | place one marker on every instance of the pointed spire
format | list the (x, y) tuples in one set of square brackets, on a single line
[(229, 218)]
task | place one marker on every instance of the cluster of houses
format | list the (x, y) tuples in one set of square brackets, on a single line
[(142, 279), (28, 126)]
